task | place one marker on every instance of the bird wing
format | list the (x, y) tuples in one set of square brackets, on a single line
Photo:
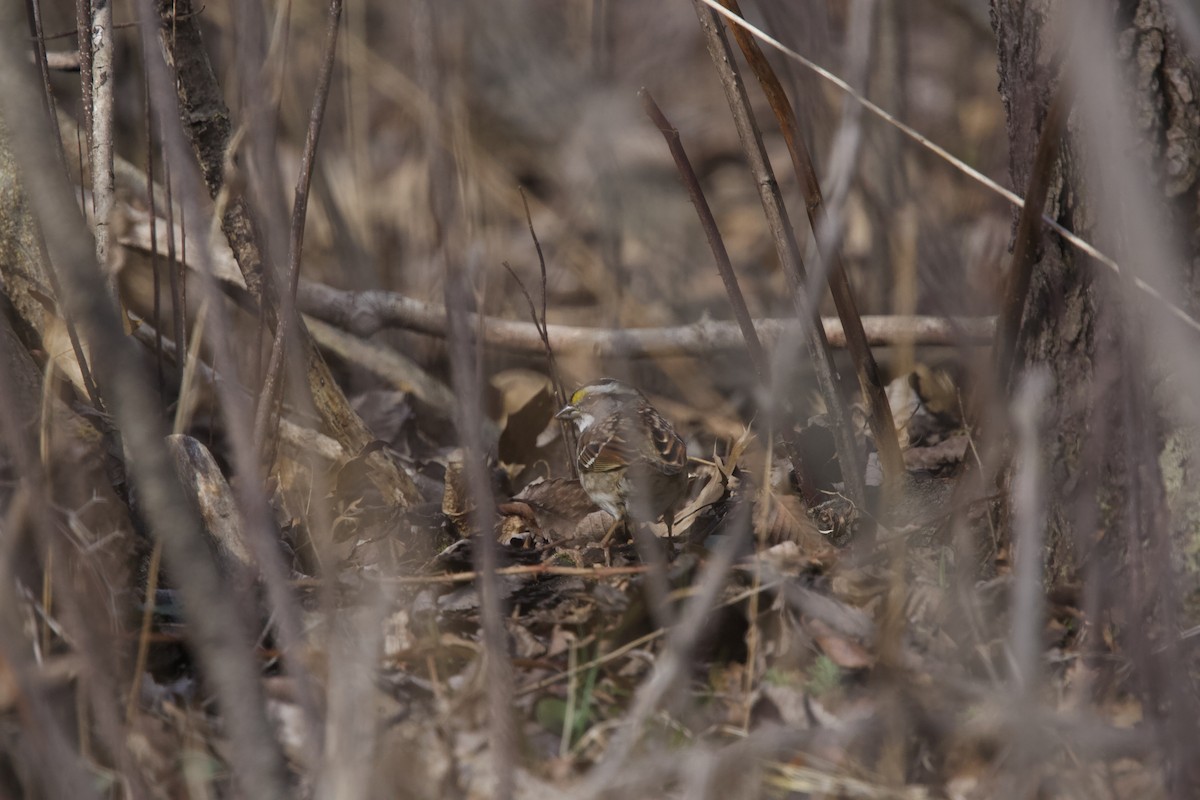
[(605, 448), (665, 441), (611, 446)]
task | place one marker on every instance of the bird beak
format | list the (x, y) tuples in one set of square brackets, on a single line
[(569, 412)]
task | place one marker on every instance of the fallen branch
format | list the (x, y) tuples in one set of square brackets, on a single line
[(367, 313), (530, 569)]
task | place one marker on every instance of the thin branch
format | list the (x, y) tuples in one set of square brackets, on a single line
[(560, 392), (33, 9), (83, 38), (826, 374), (176, 276), (366, 313), (879, 413), (156, 312), (100, 137), (708, 222), (1029, 231), (754, 347), (264, 430), (1074, 239), (589, 573), (208, 127), (222, 643)]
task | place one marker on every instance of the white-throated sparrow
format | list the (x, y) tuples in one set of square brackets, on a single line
[(631, 462)]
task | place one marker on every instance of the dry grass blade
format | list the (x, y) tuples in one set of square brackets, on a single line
[(1029, 229), (788, 250), (267, 415), (879, 413), (1076, 241), (100, 137), (209, 131), (737, 302), (220, 635)]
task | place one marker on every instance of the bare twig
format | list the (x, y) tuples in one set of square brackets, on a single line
[(737, 302), (83, 38), (176, 277), (222, 643), (156, 311), (589, 573), (100, 137), (264, 430), (826, 374), (1076, 241), (560, 392), (879, 413), (33, 9), (754, 347), (1029, 230), (365, 313), (368, 312), (539, 323), (208, 127)]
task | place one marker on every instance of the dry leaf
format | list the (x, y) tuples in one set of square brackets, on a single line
[(844, 652)]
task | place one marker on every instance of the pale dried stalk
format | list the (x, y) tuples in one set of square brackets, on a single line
[(782, 233), (222, 642), (101, 141), (366, 313)]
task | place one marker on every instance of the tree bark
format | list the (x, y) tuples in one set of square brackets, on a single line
[(1073, 320), (1123, 515)]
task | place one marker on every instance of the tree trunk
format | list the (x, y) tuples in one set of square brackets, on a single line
[(1074, 321), (1122, 512)]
